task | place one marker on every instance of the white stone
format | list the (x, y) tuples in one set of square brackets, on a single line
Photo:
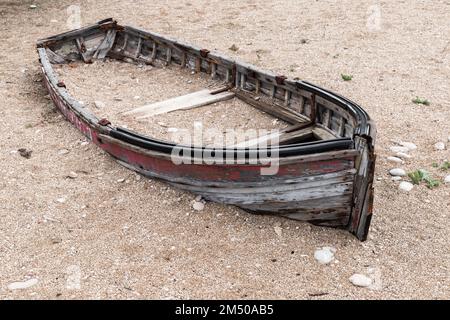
[(406, 186), (360, 280), (447, 179), (398, 149), (61, 200), (324, 255), (121, 180), (396, 178), (394, 159), (63, 151), (411, 146), (99, 104), (448, 138), (403, 155), (278, 231), (397, 172), (33, 6), (198, 205), (22, 284), (439, 146), (72, 174)]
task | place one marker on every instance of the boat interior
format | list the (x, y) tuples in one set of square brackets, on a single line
[(307, 114)]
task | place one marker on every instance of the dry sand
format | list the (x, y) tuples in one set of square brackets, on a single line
[(141, 239)]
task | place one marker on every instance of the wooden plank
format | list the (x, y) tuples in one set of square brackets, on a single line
[(82, 50), (55, 58), (280, 112), (154, 50), (322, 134), (106, 45), (138, 49), (189, 101), (281, 137)]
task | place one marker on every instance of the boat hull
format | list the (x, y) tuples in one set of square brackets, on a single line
[(329, 184)]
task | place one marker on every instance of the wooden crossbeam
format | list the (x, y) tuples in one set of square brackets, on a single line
[(189, 101)]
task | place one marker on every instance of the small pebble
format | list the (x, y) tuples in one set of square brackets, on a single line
[(394, 159), (63, 151), (33, 6), (121, 180), (72, 175), (198, 205), (324, 255), (439, 146), (397, 149), (406, 186), (411, 146), (25, 153), (22, 284), (99, 104), (61, 200), (397, 172), (396, 178), (233, 48), (403, 155), (360, 280), (447, 179), (278, 231)]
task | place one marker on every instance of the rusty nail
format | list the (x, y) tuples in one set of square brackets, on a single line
[(104, 122), (204, 53), (280, 79)]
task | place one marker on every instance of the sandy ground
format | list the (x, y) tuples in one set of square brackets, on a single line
[(95, 237)]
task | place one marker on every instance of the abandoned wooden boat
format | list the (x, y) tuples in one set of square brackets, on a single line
[(325, 157)]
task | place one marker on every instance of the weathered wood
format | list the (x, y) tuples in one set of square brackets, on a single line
[(106, 45), (189, 101), (213, 70), (363, 189), (168, 56), (138, 49), (55, 58), (323, 134), (331, 201), (154, 51), (281, 112), (82, 50), (287, 98)]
